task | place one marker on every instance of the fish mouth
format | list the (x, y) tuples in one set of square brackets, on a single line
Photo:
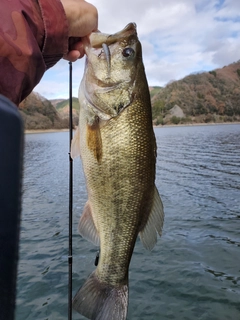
[(107, 83), (107, 53), (98, 40), (100, 81)]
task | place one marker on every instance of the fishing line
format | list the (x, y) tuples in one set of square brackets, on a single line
[(70, 259)]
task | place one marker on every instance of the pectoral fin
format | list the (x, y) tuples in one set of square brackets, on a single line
[(86, 226), (154, 224), (75, 145), (94, 140)]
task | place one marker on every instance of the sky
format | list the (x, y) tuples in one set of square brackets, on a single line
[(178, 37)]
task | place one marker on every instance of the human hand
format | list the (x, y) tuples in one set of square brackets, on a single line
[(82, 20)]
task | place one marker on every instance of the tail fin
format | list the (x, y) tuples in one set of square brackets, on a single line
[(100, 301)]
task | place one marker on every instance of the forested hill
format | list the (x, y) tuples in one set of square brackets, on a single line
[(38, 113), (62, 107), (212, 96), (205, 97)]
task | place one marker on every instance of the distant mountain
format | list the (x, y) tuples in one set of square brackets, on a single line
[(54, 102), (38, 113), (212, 96), (62, 106)]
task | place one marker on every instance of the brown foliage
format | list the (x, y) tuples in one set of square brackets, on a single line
[(204, 97), (38, 113)]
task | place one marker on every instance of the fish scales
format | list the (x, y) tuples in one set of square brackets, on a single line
[(126, 172), (118, 156)]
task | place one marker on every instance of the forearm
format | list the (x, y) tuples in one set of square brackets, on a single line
[(33, 37)]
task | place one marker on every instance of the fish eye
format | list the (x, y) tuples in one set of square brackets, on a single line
[(128, 52)]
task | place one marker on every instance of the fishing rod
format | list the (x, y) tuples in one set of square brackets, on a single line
[(70, 259)]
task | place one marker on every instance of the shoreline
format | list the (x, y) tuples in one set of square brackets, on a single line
[(34, 131), (31, 131), (196, 124)]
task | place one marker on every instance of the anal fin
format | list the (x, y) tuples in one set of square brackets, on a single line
[(86, 226), (154, 223)]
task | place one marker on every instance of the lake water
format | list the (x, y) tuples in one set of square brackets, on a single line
[(194, 270)]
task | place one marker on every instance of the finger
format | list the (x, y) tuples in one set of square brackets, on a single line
[(77, 46), (73, 55), (76, 51)]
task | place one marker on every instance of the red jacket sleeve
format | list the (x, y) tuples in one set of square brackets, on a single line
[(33, 37)]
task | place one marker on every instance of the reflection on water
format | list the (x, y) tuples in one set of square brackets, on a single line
[(192, 273)]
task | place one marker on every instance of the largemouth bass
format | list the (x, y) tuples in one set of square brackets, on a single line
[(116, 142)]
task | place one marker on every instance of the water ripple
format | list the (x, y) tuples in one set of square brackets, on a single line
[(192, 273)]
